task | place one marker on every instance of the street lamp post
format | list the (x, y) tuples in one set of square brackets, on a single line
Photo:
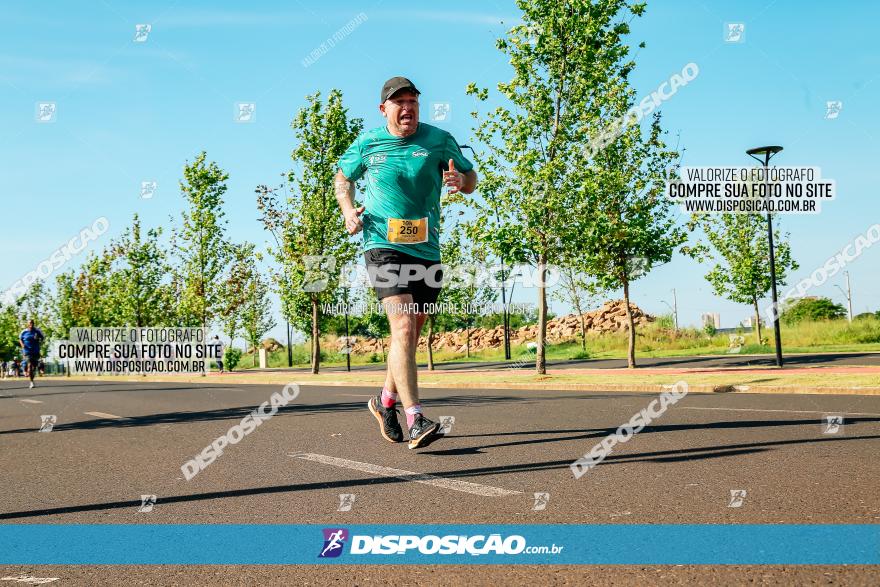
[(768, 153), (674, 308), (848, 294), (505, 316)]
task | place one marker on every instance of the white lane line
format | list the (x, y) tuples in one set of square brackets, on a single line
[(29, 579), (30, 401), (784, 411), (454, 485), (103, 415)]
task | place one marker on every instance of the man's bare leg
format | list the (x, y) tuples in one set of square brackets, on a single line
[(31, 372), (390, 385), (405, 327)]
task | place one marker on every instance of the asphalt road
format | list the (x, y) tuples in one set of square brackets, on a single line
[(698, 362), (113, 442)]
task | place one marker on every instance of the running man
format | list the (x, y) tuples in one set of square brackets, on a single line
[(218, 350), (406, 164), (30, 340)]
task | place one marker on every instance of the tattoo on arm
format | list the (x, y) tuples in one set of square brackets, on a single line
[(344, 190)]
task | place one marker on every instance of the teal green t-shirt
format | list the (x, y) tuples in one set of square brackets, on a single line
[(404, 177)]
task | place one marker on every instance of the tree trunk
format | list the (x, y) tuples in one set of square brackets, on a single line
[(468, 342), (540, 358), (583, 333), (316, 338), (430, 342), (631, 353), (580, 311), (757, 319)]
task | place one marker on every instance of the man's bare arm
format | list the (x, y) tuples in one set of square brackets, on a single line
[(459, 182), (470, 182), (344, 188)]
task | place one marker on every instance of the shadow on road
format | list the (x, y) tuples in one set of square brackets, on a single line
[(601, 433), (665, 456), (30, 394), (237, 413)]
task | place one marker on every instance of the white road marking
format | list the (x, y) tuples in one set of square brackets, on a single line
[(453, 484), (783, 411), (29, 579), (30, 401), (103, 415)]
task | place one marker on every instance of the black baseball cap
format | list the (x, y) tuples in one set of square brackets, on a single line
[(394, 85)]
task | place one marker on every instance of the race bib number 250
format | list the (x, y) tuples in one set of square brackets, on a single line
[(408, 232)]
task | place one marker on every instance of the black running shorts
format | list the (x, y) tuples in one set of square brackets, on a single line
[(393, 273)]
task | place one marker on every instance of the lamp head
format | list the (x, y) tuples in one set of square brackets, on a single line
[(773, 149)]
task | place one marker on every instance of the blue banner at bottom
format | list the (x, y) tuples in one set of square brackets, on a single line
[(660, 544)]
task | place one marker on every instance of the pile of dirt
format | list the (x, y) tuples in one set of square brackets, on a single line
[(271, 345), (611, 317)]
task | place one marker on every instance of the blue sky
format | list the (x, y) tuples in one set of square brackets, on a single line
[(130, 112)]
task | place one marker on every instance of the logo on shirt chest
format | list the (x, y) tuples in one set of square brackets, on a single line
[(420, 153), (376, 159)]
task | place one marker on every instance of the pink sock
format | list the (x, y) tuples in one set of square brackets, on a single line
[(411, 414), (389, 398)]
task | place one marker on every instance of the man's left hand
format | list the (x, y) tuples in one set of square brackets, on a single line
[(453, 179)]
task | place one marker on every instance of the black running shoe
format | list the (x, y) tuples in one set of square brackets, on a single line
[(389, 427), (423, 432)]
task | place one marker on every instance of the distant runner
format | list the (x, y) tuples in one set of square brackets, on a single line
[(406, 164), (218, 350), (30, 340)]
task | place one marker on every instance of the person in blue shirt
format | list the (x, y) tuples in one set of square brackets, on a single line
[(30, 340)]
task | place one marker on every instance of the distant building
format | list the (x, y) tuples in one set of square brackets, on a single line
[(749, 322), (713, 318)]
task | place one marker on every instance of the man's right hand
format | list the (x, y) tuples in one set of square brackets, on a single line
[(353, 222)]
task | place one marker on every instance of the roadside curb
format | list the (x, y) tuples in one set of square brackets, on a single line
[(535, 385), (652, 388)]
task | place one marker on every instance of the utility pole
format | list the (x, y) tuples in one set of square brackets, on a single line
[(848, 294), (674, 309)]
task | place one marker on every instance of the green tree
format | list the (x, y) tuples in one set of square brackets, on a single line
[(37, 304), (812, 309), (201, 241), (63, 306), (578, 290), (567, 57), (464, 291), (633, 226), (138, 289), (234, 288), (90, 292), (256, 309), (737, 246), (231, 358), (310, 236), (10, 329)]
